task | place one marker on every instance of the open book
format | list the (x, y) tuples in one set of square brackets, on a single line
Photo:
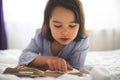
[(33, 72)]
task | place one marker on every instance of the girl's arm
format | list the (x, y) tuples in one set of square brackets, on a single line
[(32, 51), (52, 63)]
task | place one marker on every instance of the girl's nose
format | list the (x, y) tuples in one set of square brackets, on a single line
[(64, 31)]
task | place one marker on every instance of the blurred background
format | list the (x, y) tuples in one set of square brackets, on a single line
[(21, 18)]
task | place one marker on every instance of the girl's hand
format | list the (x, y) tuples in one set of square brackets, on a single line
[(58, 64)]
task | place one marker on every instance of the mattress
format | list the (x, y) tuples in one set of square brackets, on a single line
[(99, 65)]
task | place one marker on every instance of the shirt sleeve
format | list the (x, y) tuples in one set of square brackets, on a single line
[(77, 59), (32, 50)]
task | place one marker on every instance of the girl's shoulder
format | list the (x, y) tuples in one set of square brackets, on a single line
[(82, 43), (39, 34), (38, 31), (39, 37)]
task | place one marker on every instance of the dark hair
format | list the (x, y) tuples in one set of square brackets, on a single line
[(75, 6)]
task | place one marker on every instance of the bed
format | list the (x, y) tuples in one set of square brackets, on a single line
[(99, 65)]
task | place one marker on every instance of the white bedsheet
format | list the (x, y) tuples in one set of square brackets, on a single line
[(104, 65)]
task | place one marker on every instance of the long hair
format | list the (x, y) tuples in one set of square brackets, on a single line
[(75, 6)]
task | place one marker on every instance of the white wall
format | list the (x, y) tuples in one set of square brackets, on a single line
[(19, 35), (103, 20), (22, 18)]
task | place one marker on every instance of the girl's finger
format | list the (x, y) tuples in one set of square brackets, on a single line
[(55, 67), (59, 67), (69, 68), (51, 67), (64, 68)]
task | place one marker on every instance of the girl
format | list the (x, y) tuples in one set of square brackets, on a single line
[(62, 43)]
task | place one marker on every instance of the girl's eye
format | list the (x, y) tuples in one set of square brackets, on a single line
[(72, 26), (57, 26)]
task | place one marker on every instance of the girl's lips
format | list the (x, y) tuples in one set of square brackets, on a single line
[(64, 39)]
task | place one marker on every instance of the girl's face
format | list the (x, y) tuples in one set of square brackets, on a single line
[(63, 27)]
